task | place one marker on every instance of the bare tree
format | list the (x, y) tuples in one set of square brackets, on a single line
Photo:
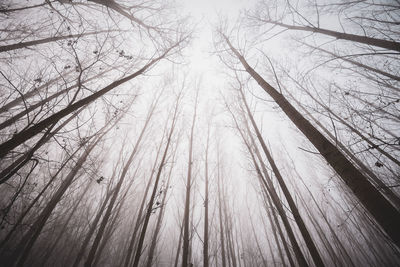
[(186, 219), (381, 209)]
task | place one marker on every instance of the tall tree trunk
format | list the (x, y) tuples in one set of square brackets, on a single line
[(108, 213), (380, 208), (186, 219), (274, 231), (386, 44), (178, 250), (139, 218), (221, 228), (205, 237), (228, 230), (266, 180), (20, 45), (275, 225), (111, 227), (322, 234), (157, 229), (238, 248)]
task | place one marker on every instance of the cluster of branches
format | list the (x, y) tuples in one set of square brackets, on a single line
[(70, 73), (343, 99)]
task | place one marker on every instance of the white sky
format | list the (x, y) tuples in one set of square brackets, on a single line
[(205, 13)]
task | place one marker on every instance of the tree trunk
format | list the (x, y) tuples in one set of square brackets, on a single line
[(25, 135), (386, 44), (266, 183), (389, 193), (205, 238), (293, 207), (274, 226), (139, 219), (25, 245), (14, 167), (178, 250), (221, 228), (111, 227), (32, 92), (380, 208), (157, 229), (20, 45), (257, 243), (186, 237), (92, 229), (50, 249)]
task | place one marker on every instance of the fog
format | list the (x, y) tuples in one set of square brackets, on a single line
[(199, 133)]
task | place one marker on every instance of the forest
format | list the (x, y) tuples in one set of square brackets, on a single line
[(199, 133)]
